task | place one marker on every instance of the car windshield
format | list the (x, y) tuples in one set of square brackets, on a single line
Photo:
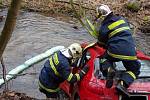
[(145, 68)]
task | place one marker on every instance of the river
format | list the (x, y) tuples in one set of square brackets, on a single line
[(34, 34)]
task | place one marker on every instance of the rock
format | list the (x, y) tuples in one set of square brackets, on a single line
[(133, 5), (145, 30), (146, 4), (145, 26)]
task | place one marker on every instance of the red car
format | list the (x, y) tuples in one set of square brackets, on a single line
[(92, 87)]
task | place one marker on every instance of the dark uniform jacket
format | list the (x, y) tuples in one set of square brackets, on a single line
[(115, 33), (56, 70)]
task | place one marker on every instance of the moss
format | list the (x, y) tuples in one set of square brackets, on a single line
[(146, 18), (133, 5), (0, 2)]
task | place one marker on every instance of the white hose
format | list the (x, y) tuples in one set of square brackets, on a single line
[(27, 64)]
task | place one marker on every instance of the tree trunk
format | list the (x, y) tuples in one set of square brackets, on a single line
[(9, 25)]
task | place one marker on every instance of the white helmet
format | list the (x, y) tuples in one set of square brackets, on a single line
[(75, 50), (103, 10)]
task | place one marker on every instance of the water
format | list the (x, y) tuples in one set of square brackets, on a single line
[(34, 34)]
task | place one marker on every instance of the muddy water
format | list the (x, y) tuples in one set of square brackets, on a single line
[(34, 34)]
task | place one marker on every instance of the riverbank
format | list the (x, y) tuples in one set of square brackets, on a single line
[(12, 95), (60, 7)]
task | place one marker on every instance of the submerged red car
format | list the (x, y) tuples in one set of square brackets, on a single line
[(92, 87)]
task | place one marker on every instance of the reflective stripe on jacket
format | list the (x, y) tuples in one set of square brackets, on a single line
[(116, 34), (56, 70)]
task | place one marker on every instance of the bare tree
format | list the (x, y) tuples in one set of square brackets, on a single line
[(7, 32), (9, 25)]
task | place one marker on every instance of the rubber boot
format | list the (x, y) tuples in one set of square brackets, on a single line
[(122, 89)]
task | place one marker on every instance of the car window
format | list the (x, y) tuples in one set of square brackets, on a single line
[(145, 68)]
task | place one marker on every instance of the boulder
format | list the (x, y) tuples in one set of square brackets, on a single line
[(133, 5)]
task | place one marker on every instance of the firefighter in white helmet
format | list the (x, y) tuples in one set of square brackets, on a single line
[(103, 10), (58, 69), (115, 35)]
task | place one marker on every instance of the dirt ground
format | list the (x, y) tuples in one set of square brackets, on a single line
[(12, 95)]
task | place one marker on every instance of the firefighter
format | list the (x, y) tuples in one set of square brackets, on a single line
[(58, 69), (115, 35)]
